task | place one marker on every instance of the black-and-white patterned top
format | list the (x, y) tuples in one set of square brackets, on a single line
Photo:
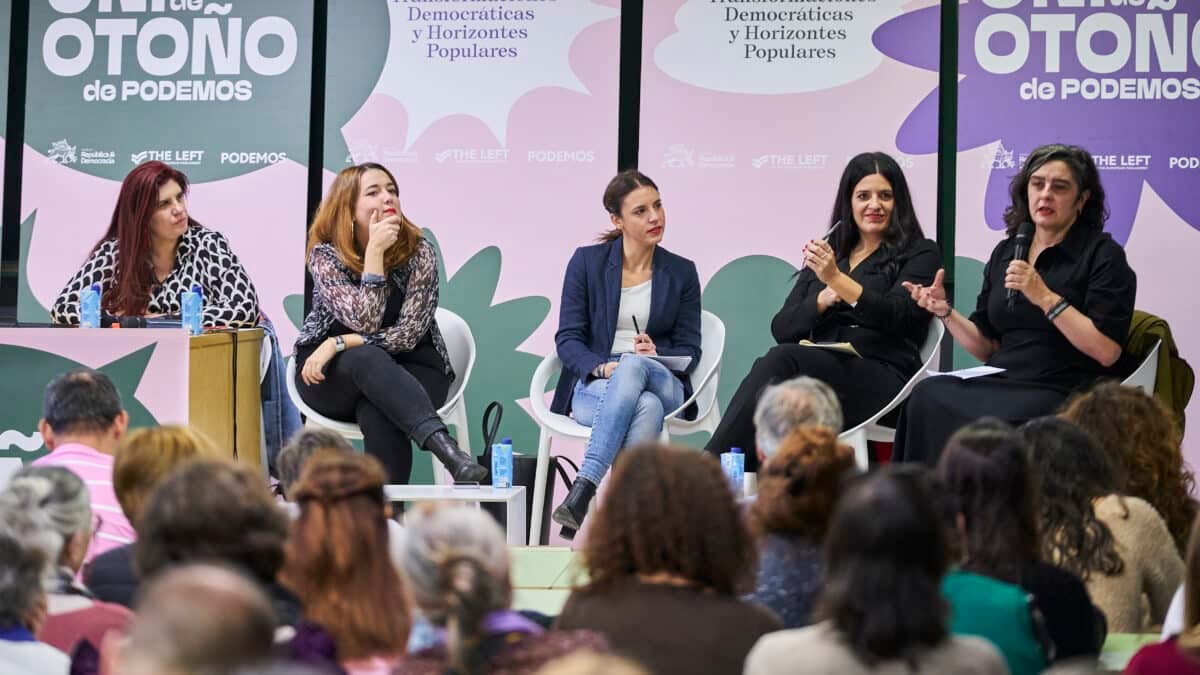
[(203, 259), (358, 303)]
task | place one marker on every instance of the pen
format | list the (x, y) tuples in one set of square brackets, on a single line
[(635, 326), (832, 230)]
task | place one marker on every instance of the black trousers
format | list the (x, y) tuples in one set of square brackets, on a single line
[(392, 397), (940, 406), (863, 386)]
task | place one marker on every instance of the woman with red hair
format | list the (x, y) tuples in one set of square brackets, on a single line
[(154, 251)]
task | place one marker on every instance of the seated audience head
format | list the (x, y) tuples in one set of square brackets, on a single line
[(1071, 472), (885, 556), (1189, 637), (985, 471), (799, 486), (147, 455), (696, 536), (360, 195), (1087, 201), (1140, 432), (337, 559), (82, 406), (195, 620), (212, 511), (585, 662), (22, 593), (456, 560), (292, 457), (49, 508), (866, 174), (630, 199), (800, 401), (152, 206)]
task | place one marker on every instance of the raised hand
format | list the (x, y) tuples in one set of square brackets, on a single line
[(931, 298)]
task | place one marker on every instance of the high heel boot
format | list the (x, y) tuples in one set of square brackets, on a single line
[(570, 513), (462, 467)]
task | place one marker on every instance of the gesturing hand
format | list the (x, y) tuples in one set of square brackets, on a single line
[(930, 298), (820, 258)]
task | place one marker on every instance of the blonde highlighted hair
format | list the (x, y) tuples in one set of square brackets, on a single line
[(334, 222), (145, 457)]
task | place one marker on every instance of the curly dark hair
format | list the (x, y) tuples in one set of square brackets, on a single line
[(800, 484), (985, 471), (885, 556), (1141, 433), (1083, 169), (1071, 471), (669, 509), (212, 511)]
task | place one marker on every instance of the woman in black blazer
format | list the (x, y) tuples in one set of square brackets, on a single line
[(625, 301), (848, 291)]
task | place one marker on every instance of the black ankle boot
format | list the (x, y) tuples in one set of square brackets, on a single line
[(570, 513), (462, 467)]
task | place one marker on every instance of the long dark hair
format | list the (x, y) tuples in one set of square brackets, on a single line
[(1071, 471), (985, 470), (903, 226), (885, 556), (614, 196), (1083, 170), (130, 226)]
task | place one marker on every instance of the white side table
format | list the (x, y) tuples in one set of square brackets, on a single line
[(513, 499)]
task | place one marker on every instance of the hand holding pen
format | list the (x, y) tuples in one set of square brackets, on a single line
[(642, 344)]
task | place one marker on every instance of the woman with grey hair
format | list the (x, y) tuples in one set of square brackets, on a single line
[(22, 610), (457, 565), (48, 508)]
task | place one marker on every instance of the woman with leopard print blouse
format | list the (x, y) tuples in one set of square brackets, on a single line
[(170, 251), (370, 349)]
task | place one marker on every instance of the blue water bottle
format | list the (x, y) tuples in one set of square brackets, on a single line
[(89, 307), (192, 303), (734, 465), (502, 463)]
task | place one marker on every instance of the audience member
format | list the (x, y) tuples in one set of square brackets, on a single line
[(337, 561), (82, 423), (457, 564), (1141, 433), (1118, 545), (46, 507), (293, 456), (196, 620), (22, 611), (1179, 654), (798, 489), (143, 460), (666, 557), (880, 610), (592, 663), (800, 401), (215, 511), (985, 470)]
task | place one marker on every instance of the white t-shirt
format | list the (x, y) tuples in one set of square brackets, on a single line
[(635, 301)]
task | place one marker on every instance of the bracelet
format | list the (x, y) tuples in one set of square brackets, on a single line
[(1058, 308)]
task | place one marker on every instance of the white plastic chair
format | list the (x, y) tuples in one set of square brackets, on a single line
[(870, 429), (1146, 375), (460, 345), (551, 425)]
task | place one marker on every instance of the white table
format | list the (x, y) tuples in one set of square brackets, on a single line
[(513, 499)]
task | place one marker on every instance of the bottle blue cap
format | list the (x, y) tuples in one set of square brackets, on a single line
[(506, 441), (196, 288), (737, 450), (96, 287)]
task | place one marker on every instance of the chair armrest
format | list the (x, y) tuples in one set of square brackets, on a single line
[(549, 366), (710, 378)]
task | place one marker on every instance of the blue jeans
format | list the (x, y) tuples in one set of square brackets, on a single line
[(623, 410)]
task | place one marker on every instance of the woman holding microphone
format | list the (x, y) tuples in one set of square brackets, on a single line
[(625, 301)]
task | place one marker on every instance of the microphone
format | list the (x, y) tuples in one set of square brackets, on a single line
[(1020, 252)]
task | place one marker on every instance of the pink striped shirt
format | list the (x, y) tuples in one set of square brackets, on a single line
[(95, 468)]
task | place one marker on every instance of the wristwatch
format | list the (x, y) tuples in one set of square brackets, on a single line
[(339, 344)]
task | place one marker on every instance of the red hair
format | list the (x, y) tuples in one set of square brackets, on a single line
[(130, 226)]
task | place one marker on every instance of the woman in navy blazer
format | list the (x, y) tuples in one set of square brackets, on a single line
[(624, 300)]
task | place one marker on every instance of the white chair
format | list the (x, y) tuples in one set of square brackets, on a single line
[(870, 429), (551, 425), (1146, 375), (460, 345)]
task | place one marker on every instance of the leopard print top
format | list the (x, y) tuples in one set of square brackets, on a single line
[(358, 303), (203, 259)]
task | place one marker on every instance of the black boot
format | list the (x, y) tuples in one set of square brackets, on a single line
[(570, 513), (462, 467)]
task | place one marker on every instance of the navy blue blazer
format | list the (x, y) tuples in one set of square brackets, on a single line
[(587, 315)]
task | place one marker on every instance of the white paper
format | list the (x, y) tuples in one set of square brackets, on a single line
[(679, 363), (969, 373)]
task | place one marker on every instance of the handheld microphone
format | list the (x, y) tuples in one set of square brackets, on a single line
[(1020, 252)]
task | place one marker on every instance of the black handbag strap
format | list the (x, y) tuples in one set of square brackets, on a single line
[(490, 428), (558, 462)]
